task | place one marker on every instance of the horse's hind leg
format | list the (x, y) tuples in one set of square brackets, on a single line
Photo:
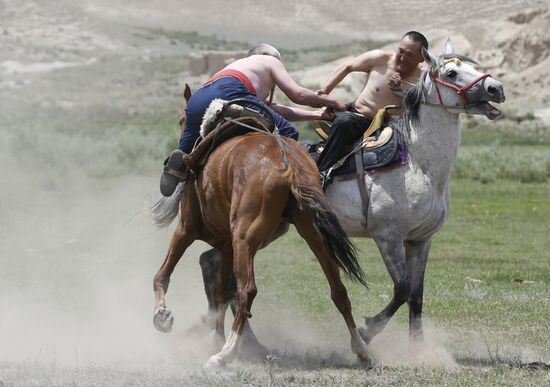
[(393, 253), (417, 257), (338, 292), (181, 240), (243, 268), (261, 215)]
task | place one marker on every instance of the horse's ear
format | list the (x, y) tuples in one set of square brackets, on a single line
[(449, 49), (187, 92), (429, 58)]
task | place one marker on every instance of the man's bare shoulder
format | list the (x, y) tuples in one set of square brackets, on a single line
[(266, 60), (258, 64), (371, 59), (379, 55)]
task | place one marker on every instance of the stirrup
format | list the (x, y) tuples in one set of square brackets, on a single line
[(326, 177)]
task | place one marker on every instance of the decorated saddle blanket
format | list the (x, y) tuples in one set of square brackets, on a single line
[(386, 148)]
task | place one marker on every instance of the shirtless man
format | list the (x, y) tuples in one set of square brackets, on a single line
[(254, 78), (384, 87)]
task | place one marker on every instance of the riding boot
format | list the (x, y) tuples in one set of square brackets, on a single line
[(174, 172)]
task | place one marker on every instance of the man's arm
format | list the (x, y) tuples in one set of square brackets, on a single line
[(365, 63), (297, 114), (297, 93)]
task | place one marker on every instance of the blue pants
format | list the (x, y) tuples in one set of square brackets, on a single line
[(226, 88)]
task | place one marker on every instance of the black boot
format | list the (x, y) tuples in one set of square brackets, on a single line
[(174, 172)]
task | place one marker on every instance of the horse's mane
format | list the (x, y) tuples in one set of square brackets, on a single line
[(413, 100)]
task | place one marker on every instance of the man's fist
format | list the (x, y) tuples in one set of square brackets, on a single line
[(394, 81)]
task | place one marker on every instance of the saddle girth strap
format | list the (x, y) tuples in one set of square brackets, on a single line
[(359, 167)]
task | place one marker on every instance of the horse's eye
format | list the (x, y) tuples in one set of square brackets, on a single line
[(451, 74)]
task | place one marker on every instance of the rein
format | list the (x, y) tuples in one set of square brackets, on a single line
[(275, 134), (461, 91)]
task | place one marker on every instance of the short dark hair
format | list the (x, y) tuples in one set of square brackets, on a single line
[(417, 37)]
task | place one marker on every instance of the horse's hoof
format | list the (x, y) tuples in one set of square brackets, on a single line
[(359, 347), (214, 363), (364, 333), (366, 361), (163, 319)]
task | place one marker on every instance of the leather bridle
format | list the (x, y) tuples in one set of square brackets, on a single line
[(461, 91)]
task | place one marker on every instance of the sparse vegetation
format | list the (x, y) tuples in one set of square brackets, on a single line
[(486, 306), (81, 150)]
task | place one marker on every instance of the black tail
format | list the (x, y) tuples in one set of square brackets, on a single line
[(312, 199), (166, 209)]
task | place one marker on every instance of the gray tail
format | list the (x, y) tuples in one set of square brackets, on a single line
[(335, 238), (166, 209)]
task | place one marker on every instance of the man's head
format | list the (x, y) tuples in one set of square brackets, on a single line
[(409, 52), (264, 49)]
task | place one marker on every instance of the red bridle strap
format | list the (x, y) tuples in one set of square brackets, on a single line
[(460, 91)]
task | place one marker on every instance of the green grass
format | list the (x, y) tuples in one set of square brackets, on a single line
[(509, 149), (492, 327), (497, 233)]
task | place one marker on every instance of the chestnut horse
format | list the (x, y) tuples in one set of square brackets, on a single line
[(248, 186)]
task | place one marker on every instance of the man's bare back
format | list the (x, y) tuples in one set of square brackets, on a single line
[(258, 69), (265, 72)]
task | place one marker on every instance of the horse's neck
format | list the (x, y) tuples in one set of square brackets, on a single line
[(434, 142)]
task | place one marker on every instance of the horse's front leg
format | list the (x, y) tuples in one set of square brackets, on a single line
[(181, 240), (222, 294), (417, 257), (393, 253)]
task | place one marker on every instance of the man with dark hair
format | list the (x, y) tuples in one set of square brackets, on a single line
[(253, 78), (385, 71)]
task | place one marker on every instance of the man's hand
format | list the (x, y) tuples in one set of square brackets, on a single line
[(394, 82), (327, 114), (320, 92)]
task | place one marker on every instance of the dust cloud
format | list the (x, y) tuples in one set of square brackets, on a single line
[(78, 253), (78, 258)]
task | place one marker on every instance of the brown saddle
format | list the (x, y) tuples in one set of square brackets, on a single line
[(249, 121)]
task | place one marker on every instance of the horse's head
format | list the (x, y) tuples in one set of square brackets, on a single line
[(458, 85), (186, 95)]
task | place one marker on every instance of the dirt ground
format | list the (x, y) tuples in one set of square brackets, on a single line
[(72, 73)]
